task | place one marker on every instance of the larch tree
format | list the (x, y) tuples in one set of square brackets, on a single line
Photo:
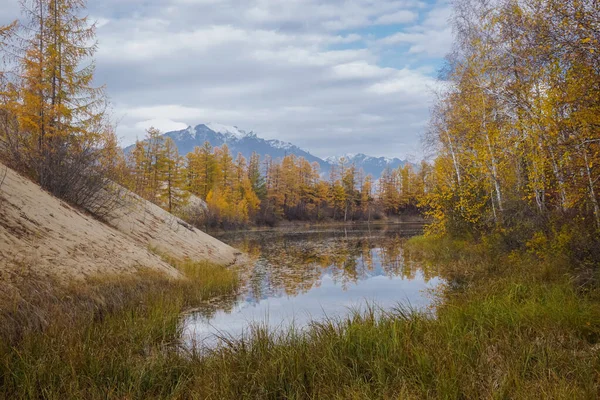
[(351, 194), (8, 123), (155, 159), (62, 125), (201, 168), (257, 180), (366, 193), (173, 190)]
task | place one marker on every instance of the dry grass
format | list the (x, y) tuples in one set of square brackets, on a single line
[(97, 339), (513, 325)]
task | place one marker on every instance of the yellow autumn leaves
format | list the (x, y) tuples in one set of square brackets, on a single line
[(518, 132)]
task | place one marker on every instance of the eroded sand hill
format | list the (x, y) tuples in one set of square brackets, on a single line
[(147, 223), (40, 233)]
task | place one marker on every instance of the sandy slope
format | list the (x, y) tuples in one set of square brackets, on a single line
[(41, 233), (147, 223)]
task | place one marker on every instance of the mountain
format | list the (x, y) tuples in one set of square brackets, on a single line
[(240, 141), (371, 165)]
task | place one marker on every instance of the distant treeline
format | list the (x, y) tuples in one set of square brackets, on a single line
[(239, 192)]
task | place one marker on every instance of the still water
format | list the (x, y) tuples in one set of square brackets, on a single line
[(303, 275)]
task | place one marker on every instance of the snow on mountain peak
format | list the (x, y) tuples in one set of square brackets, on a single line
[(278, 144), (361, 158), (350, 157), (226, 129)]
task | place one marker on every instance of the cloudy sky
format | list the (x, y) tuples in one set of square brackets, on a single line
[(332, 76)]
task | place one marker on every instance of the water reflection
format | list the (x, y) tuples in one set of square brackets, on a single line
[(298, 276)]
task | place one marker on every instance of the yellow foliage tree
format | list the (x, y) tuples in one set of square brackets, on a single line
[(55, 124)]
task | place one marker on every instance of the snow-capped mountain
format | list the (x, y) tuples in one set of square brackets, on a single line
[(241, 141), (238, 141), (226, 130)]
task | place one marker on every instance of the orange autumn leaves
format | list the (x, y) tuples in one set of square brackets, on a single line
[(238, 192)]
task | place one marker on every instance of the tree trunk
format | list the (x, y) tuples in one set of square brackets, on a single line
[(591, 191)]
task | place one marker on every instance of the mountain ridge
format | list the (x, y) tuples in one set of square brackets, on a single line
[(248, 142)]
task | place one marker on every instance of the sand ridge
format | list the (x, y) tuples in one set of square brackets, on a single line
[(50, 237)]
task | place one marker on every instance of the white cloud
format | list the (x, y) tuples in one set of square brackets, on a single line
[(433, 37), (360, 69), (399, 17), (407, 83), (296, 70), (157, 42), (162, 124)]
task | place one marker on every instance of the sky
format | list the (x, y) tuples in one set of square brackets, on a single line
[(331, 76)]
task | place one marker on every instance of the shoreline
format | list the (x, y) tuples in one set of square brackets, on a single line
[(289, 225)]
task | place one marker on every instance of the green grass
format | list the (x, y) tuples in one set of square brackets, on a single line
[(513, 324)]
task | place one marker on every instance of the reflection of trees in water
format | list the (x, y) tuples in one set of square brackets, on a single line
[(293, 264), (207, 309)]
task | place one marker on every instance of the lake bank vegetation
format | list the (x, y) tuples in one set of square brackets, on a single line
[(513, 324), (105, 337)]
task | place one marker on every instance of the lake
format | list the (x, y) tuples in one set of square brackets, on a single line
[(300, 275)]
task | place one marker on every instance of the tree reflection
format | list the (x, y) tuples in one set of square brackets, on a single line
[(292, 263)]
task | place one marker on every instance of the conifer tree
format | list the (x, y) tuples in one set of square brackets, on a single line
[(349, 185), (155, 159), (201, 168), (59, 127), (173, 189), (8, 123), (257, 180), (61, 115), (366, 196)]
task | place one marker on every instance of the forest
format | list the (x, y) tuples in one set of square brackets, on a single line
[(514, 132), (517, 131), (238, 192)]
